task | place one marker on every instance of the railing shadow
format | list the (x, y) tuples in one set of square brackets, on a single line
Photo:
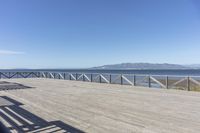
[(21, 120), (4, 85)]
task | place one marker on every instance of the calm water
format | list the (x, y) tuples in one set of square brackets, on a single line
[(192, 72)]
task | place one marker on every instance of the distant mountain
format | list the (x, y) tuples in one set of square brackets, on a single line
[(193, 66), (142, 66)]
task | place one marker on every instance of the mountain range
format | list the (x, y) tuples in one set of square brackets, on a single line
[(147, 66)]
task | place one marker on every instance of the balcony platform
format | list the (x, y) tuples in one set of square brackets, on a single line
[(51, 105)]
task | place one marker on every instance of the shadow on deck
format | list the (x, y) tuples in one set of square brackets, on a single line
[(18, 119), (12, 86)]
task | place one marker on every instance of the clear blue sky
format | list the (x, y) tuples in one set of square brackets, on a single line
[(86, 33)]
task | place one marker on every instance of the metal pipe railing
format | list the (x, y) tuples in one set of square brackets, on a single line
[(156, 81)]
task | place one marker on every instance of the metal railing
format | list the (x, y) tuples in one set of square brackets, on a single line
[(9, 75), (190, 83)]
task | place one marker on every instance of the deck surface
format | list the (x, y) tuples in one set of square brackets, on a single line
[(47, 105)]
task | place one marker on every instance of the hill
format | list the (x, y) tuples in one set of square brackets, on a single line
[(142, 66)]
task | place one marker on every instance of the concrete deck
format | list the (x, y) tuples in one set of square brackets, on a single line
[(47, 105)]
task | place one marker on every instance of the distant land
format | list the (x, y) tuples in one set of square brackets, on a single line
[(194, 66), (147, 66)]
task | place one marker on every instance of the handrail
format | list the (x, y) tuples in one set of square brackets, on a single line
[(175, 76), (156, 81)]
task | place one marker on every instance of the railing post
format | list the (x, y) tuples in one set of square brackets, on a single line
[(149, 81), (64, 75), (167, 82), (76, 76), (70, 77), (188, 83), (54, 75), (121, 79), (110, 79), (83, 77), (99, 78), (58, 75), (91, 78), (134, 80)]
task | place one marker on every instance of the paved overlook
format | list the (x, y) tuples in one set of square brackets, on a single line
[(52, 105)]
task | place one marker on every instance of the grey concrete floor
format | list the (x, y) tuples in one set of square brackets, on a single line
[(48, 105)]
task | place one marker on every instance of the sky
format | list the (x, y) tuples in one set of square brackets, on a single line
[(88, 33)]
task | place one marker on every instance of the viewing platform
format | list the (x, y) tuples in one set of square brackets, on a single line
[(36, 105)]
